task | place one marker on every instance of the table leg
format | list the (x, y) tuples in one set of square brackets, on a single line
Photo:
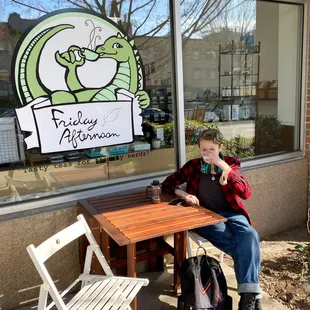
[(152, 261), (105, 245), (179, 257), (120, 254), (132, 268)]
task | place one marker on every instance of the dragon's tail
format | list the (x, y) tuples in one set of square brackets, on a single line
[(30, 85)]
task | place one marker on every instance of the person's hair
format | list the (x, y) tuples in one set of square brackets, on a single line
[(211, 135)]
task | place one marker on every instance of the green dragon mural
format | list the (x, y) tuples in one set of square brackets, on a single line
[(128, 74)]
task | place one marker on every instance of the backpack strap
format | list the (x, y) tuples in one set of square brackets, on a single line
[(200, 247), (222, 282), (219, 284)]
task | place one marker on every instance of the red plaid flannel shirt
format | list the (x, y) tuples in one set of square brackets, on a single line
[(236, 187)]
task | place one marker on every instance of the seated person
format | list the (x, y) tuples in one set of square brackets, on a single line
[(215, 182)]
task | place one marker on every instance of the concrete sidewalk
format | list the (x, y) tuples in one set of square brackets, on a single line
[(159, 295)]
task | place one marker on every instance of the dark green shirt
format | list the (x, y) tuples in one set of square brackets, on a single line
[(211, 195)]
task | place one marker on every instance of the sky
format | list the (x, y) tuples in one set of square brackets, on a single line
[(159, 13), (235, 10)]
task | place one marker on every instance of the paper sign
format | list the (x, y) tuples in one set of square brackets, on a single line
[(79, 79)]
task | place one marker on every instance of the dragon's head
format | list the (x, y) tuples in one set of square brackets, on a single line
[(116, 47)]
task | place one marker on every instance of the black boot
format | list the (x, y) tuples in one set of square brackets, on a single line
[(258, 305), (247, 301)]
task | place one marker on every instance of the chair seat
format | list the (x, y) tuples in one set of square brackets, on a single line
[(199, 240), (114, 293), (97, 291)]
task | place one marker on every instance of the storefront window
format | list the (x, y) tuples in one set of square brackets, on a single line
[(28, 173), (247, 80)]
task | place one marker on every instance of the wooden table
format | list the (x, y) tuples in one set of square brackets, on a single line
[(129, 217)]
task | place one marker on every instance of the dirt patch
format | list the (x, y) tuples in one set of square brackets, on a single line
[(281, 268)]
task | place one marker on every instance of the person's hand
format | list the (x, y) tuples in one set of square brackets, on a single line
[(212, 158), (191, 199)]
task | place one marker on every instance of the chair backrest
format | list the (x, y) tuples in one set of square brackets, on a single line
[(189, 114), (28, 185), (200, 113), (50, 246)]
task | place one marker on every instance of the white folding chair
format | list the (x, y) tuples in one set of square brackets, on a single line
[(199, 240), (28, 185), (97, 291)]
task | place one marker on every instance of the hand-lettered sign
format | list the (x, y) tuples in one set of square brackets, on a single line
[(80, 82)]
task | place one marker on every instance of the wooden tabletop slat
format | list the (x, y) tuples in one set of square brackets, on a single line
[(136, 209), (160, 224), (130, 217), (151, 214), (154, 217), (121, 203), (113, 231), (111, 207), (107, 208), (145, 210), (138, 196), (143, 235)]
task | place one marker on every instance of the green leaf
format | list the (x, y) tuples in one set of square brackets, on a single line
[(300, 248)]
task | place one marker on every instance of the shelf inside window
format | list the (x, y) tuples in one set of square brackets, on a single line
[(248, 74), (237, 97)]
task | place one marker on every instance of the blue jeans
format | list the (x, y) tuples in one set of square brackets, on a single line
[(239, 239)]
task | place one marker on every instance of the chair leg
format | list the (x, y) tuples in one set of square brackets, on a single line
[(188, 245), (43, 297), (221, 257)]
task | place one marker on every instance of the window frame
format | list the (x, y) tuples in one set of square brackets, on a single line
[(64, 200)]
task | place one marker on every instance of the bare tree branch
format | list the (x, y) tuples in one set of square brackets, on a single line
[(205, 8), (197, 18), (129, 16), (76, 4), (192, 27), (88, 5), (100, 7), (120, 3), (155, 30), (206, 19), (188, 14), (142, 6), (39, 4), (29, 6), (146, 18)]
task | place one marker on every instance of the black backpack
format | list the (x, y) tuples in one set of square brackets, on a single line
[(203, 284)]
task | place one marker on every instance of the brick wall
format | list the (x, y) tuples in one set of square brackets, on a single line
[(307, 112)]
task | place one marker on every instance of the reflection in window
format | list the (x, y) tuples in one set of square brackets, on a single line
[(197, 74), (251, 83), (147, 69), (153, 67), (196, 55), (41, 175)]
